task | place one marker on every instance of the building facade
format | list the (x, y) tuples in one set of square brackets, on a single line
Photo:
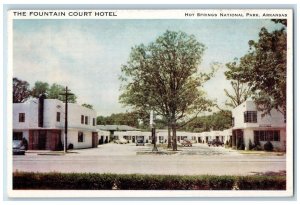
[(42, 121), (251, 128)]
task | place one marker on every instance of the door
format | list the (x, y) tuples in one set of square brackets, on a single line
[(42, 140), (94, 139), (101, 140)]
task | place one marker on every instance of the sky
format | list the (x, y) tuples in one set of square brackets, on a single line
[(86, 55)]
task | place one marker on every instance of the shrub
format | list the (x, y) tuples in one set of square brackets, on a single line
[(241, 147), (257, 147), (268, 146), (71, 146), (251, 145), (60, 146), (261, 183), (90, 181), (63, 181)]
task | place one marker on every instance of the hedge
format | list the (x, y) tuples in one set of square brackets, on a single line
[(89, 181)]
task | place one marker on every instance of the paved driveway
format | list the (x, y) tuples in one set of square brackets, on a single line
[(116, 158)]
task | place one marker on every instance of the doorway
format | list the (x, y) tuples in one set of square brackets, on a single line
[(42, 140)]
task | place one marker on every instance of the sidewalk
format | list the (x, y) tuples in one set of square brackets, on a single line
[(47, 152)]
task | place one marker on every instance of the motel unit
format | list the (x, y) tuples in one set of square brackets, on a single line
[(250, 125), (42, 122), (131, 136)]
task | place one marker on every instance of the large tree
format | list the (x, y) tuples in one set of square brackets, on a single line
[(21, 91), (263, 68), (240, 91), (163, 76)]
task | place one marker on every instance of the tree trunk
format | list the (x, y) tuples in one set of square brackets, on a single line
[(174, 136), (169, 136)]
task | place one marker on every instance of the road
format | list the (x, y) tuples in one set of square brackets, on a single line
[(128, 159)]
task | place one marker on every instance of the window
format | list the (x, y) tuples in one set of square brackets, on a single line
[(94, 121), (262, 135), (232, 122), (21, 117), (267, 135), (86, 120), (276, 135), (17, 135), (80, 137), (250, 116), (82, 119), (58, 116)]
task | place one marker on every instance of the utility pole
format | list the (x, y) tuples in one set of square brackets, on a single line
[(66, 94)]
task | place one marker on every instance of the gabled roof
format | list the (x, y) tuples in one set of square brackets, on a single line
[(116, 127)]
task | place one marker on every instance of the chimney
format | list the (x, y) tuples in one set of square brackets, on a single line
[(42, 98)]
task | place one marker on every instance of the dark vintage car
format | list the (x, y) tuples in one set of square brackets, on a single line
[(215, 143), (186, 143), (140, 141), (18, 147)]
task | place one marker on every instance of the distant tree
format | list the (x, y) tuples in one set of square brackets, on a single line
[(217, 121), (101, 120), (129, 119), (21, 91), (53, 92), (164, 77), (39, 88), (87, 106)]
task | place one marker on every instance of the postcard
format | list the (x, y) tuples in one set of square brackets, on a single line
[(150, 103)]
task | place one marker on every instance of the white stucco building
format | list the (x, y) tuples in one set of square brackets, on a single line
[(250, 125), (42, 121)]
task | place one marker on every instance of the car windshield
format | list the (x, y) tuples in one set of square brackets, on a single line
[(17, 143)]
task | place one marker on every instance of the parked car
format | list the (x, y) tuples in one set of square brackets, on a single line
[(140, 141), (121, 141), (215, 143), (186, 143), (18, 147)]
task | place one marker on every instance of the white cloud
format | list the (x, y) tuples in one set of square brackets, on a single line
[(71, 57)]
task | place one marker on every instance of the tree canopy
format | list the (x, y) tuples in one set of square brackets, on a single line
[(163, 76), (21, 90), (130, 119), (87, 106), (263, 68), (53, 92), (217, 121), (39, 88), (241, 91)]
